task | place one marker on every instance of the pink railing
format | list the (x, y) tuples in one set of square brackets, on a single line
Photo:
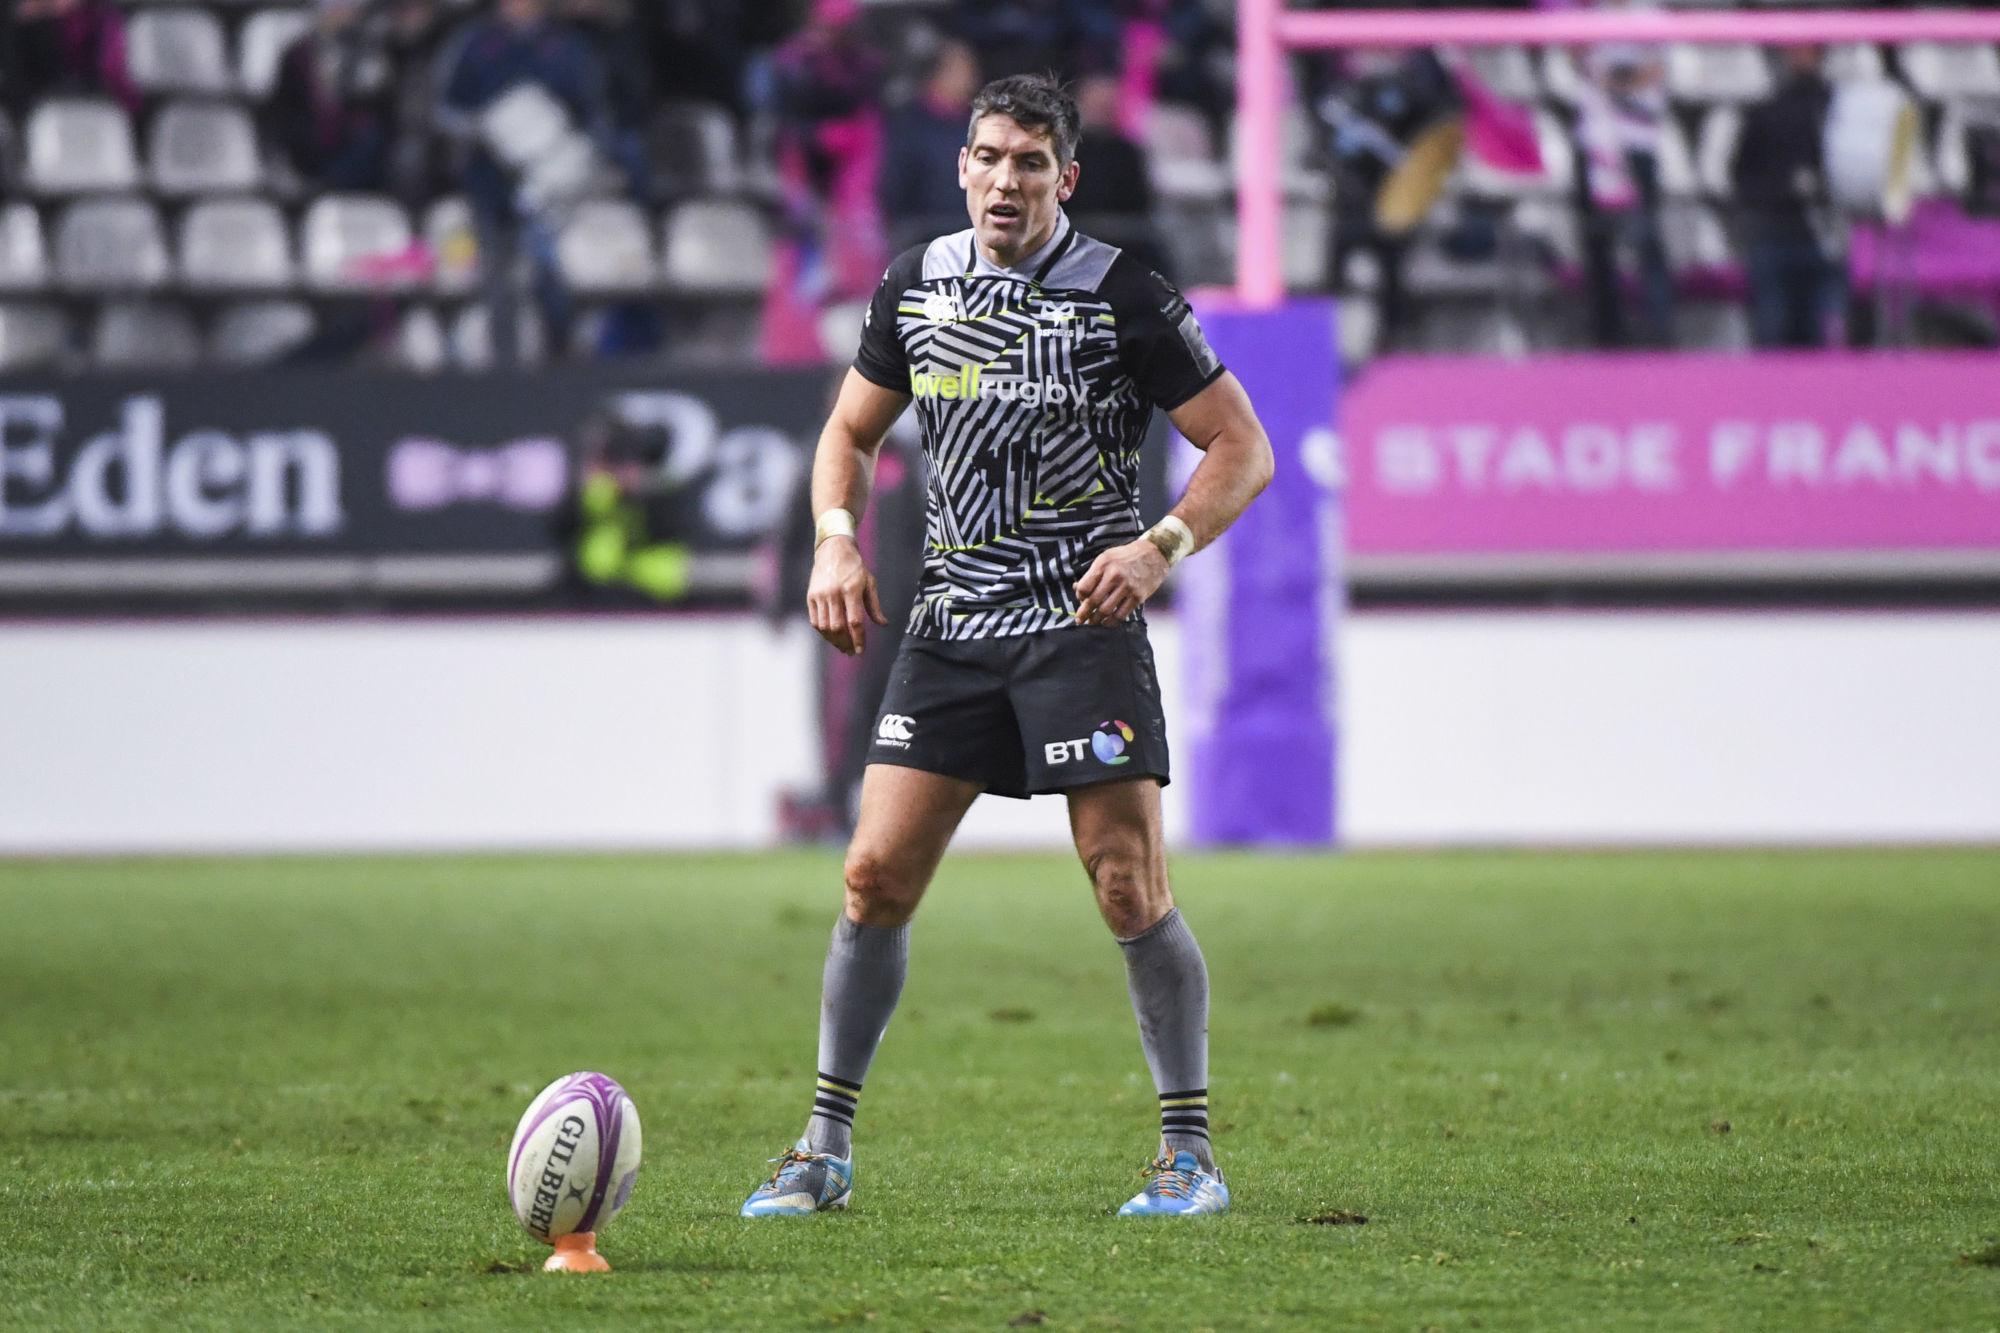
[(1266, 30)]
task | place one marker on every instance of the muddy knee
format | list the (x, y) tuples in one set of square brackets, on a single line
[(878, 894), (1126, 893)]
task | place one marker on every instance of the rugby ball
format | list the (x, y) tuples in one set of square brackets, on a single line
[(574, 1158)]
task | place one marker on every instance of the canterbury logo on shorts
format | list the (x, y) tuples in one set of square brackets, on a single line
[(895, 729)]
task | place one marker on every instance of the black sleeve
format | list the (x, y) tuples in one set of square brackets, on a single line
[(882, 359), (1159, 340)]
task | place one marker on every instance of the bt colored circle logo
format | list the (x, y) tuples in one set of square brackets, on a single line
[(1109, 741)]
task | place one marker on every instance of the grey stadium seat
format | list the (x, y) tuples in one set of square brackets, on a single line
[(31, 336), (1714, 326), (177, 49), (235, 245), (143, 335), (341, 232), (1715, 148), (1943, 70), (607, 248), (1695, 238), (471, 336), (1181, 156), (24, 258), (109, 245), (1719, 72), (1508, 71), (262, 45), (1848, 61), (202, 148), (77, 145), (257, 333), (717, 249), (454, 245)]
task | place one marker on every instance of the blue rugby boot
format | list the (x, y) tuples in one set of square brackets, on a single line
[(1179, 1188), (805, 1182)]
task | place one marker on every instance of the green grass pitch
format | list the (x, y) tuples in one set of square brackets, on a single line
[(1567, 1091)]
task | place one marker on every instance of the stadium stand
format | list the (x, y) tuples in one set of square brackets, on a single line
[(144, 335), (698, 230), (256, 333)]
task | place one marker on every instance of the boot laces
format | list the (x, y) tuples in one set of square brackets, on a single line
[(1174, 1184)]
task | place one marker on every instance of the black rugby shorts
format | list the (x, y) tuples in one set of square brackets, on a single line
[(1026, 713)]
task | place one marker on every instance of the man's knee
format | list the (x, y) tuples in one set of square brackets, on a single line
[(1126, 894), (878, 892)]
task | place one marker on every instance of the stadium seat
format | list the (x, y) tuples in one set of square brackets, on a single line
[(691, 147), (202, 148), (235, 245), (471, 336), (454, 246), (143, 335), (1429, 271), (1507, 71), (1695, 238), (108, 245), (256, 333), (24, 259), (1550, 225), (356, 242), (1849, 62), (1712, 326), (77, 145), (266, 35), (1678, 177), (421, 343), (31, 336), (1560, 76), (1481, 329), (840, 326), (1180, 155), (177, 49), (716, 248), (1720, 72), (1939, 71), (524, 125), (1715, 148), (1307, 239), (606, 248)]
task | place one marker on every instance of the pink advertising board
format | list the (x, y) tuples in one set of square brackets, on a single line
[(1626, 459)]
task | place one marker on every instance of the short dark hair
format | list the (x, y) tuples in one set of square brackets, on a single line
[(1035, 102)]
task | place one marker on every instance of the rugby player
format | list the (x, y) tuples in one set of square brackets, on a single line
[(1036, 356)]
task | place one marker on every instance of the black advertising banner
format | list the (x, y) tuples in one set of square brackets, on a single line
[(341, 488)]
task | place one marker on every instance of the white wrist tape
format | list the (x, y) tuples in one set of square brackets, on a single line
[(1174, 538), (833, 523)]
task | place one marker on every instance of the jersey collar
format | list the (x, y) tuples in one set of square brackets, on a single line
[(1033, 268)]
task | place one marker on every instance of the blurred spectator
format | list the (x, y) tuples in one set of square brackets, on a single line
[(328, 109), (1795, 285), (921, 196), (1069, 37), (57, 47), (1621, 108), (1197, 63), (1370, 105), (699, 48), (412, 33), (1114, 195), (609, 27), (519, 44), (823, 90)]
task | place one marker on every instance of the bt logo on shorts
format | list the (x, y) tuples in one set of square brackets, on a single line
[(895, 730), (1107, 743)]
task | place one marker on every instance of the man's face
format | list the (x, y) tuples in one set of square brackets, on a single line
[(1013, 186)]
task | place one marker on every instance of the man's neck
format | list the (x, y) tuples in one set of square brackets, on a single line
[(1029, 248)]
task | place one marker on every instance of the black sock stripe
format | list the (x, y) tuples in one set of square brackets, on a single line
[(1176, 1096), (854, 1089), (833, 1111)]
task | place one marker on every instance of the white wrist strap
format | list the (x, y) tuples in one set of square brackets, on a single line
[(833, 523), (1174, 538)]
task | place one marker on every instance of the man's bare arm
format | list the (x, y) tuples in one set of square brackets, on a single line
[(841, 598), (1235, 467)]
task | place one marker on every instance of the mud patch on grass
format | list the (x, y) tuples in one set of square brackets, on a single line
[(1338, 1217)]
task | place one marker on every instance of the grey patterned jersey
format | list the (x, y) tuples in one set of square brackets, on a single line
[(1034, 387)]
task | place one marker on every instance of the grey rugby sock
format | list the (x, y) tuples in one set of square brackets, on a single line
[(1168, 979), (865, 967)]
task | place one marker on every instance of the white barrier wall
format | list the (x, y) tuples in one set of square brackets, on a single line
[(681, 732)]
